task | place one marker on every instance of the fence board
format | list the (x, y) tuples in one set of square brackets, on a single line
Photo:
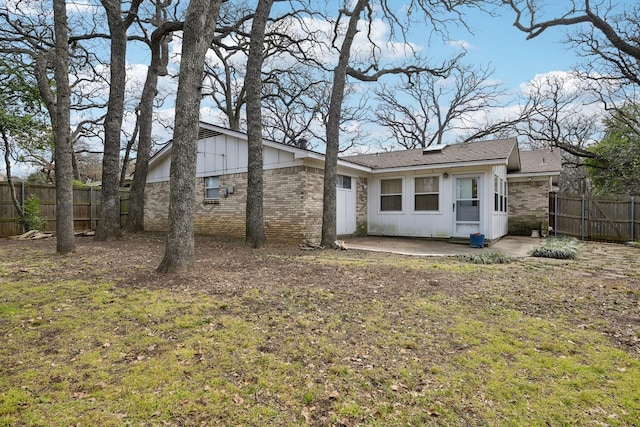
[(86, 206)]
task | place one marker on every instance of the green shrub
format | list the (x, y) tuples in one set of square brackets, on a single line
[(486, 258), (558, 248), (33, 219)]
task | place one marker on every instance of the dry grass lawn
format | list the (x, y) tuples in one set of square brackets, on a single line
[(287, 337)]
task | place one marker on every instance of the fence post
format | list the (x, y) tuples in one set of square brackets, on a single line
[(633, 220), (22, 203), (90, 207), (582, 218), (555, 215)]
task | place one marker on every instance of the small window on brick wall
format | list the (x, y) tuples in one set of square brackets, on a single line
[(212, 188)]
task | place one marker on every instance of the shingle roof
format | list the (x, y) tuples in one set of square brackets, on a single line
[(479, 151), (541, 161)]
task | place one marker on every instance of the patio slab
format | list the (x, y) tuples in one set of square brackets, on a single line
[(515, 246)]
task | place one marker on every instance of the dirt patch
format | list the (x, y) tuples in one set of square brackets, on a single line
[(600, 290)]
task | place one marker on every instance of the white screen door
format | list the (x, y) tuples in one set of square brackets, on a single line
[(467, 205)]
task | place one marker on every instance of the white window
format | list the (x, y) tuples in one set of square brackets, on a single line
[(391, 194), (499, 194), (343, 181), (427, 193), (212, 188), (503, 198)]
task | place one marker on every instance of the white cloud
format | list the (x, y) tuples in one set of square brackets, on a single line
[(460, 44)]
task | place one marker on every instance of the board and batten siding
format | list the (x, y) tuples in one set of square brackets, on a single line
[(500, 220), (435, 224), (408, 221), (223, 155)]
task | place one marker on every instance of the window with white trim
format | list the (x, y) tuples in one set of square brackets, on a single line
[(343, 181), (391, 194), (212, 188), (427, 193), (499, 194)]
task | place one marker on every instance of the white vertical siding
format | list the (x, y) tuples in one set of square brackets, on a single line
[(220, 155), (499, 220), (410, 222)]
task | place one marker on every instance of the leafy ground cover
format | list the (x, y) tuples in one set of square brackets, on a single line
[(287, 337), (558, 248)]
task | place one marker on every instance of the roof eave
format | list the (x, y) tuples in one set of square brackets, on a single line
[(493, 162)]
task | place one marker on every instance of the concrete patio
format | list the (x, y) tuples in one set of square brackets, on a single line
[(515, 246)]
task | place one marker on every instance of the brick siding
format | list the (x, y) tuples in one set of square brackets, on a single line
[(528, 207), (292, 205), (361, 206)]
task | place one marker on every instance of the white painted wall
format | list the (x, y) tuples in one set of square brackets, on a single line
[(500, 220), (223, 154), (440, 224), (410, 222)]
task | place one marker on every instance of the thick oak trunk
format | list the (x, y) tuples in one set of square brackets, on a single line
[(199, 27), (65, 238), (255, 235)]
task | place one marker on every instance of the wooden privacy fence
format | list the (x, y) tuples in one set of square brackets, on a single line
[(595, 218), (86, 206)]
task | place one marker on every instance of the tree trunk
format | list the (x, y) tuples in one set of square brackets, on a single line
[(199, 26), (127, 152), (7, 166), (329, 233), (109, 223), (65, 238), (135, 216), (74, 165), (253, 83)]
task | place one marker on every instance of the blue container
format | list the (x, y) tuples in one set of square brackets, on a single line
[(477, 240)]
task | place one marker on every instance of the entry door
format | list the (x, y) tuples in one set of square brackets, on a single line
[(467, 206), (345, 206)]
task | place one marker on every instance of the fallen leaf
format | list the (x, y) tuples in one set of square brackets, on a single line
[(306, 414), (433, 413)]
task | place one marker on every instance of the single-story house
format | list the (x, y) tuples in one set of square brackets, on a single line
[(487, 187)]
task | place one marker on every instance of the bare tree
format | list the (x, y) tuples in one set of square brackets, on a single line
[(371, 70), (199, 27), (119, 22), (158, 45), (610, 34), (558, 115), (23, 127), (422, 109), (224, 78), (255, 235), (65, 238), (45, 46)]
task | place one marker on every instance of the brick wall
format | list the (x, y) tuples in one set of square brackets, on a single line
[(361, 206), (156, 206), (292, 205), (528, 206)]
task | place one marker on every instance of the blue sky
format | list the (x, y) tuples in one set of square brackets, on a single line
[(515, 60)]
